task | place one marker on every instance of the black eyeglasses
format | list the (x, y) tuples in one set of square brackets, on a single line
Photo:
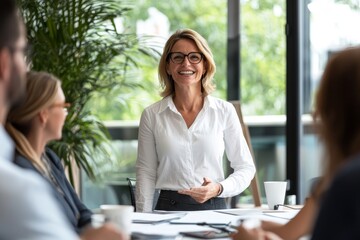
[(179, 57)]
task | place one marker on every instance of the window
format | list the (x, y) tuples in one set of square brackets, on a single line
[(262, 75)]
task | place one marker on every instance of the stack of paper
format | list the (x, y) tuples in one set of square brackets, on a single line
[(240, 211), (208, 217), (155, 218)]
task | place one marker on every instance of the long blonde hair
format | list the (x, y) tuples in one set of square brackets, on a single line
[(41, 89), (337, 110), (166, 80)]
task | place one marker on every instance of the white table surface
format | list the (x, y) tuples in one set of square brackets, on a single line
[(188, 222)]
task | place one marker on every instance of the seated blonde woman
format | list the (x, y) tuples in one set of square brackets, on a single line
[(34, 123)]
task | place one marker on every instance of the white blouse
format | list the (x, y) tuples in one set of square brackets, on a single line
[(172, 156)]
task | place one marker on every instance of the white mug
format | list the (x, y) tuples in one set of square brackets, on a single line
[(97, 220), (119, 215), (275, 193)]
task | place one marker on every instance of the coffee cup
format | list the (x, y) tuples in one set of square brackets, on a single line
[(275, 193), (119, 215)]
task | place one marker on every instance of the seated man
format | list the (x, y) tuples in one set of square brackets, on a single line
[(28, 210)]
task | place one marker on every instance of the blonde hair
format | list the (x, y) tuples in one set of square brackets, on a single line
[(166, 81), (337, 110), (41, 89)]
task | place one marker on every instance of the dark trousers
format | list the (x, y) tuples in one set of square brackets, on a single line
[(173, 201)]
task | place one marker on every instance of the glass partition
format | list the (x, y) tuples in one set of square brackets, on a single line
[(329, 25)]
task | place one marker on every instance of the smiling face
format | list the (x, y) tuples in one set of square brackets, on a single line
[(186, 74)]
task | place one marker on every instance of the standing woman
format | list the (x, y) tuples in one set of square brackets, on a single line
[(33, 124), (182, 138)]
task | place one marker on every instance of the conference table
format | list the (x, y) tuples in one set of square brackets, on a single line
[(216, 223)]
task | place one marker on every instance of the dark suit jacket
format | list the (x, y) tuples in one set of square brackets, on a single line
[(77, 213)]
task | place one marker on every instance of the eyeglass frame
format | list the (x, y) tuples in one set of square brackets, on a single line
[(64, 105), (25, 50), (185, 55)]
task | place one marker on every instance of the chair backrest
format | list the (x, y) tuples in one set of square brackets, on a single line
[(254, 185), (132, 190)]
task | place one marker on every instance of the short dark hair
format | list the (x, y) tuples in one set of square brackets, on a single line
[(9, 23)]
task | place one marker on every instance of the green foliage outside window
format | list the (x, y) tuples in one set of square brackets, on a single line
[(262, 55), (106, 72), (80, 43)]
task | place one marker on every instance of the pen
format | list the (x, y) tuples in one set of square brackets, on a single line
[(166, 220)]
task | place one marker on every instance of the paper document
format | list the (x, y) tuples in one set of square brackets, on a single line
[(150, 231), (209, 217), (155, 217), (239, 211), (281, 214)]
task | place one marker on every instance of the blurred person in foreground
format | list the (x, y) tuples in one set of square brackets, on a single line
[(34, 123), (338, 116), (334, 211), (183, 137), (28, 209)]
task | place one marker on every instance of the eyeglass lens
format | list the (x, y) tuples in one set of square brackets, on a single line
[(65, 106), (178, 57)]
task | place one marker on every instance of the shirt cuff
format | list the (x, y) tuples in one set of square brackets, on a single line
[(220, 190)]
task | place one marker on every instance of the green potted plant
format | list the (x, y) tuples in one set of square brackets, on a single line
[(79, 42)]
